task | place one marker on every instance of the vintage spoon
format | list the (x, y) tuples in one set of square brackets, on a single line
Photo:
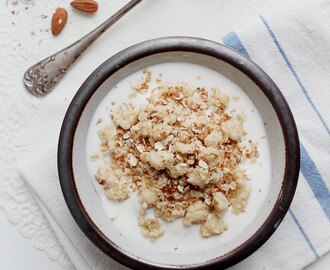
[(44, 75)]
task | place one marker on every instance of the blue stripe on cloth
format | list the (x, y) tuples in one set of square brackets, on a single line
[(304, 234), (295, 75), (308, 167), (232, 40), (315, 181)]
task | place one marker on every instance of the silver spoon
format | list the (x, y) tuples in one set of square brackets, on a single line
[(44, 75)]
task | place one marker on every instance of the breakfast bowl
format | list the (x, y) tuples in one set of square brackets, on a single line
[(113, 225)]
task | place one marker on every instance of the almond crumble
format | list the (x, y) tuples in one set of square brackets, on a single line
[(182, 153)]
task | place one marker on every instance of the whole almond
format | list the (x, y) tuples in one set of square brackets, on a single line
[(59, 19), (88, 6)]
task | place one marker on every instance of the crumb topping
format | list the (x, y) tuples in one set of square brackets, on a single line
[(182, 153)]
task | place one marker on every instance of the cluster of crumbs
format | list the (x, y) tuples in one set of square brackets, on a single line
[(181, 152)]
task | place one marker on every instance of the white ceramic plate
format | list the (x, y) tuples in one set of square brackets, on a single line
[(270, 124)]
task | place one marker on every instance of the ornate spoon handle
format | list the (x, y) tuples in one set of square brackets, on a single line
[(44, 75)]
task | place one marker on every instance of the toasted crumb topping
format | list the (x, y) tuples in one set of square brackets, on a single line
[(150, 227), (95, 157), (182, 153), (213, 226), (141, 86)]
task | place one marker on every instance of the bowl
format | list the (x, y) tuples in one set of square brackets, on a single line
[(275, 176)]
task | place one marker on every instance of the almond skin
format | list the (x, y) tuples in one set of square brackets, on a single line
[(88, 6), (59, 19)]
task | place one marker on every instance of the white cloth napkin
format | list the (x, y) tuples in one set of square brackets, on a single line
[(292, 46), (42, 175)]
